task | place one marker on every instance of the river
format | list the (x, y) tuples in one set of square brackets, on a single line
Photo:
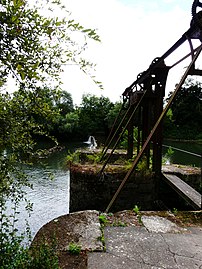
[(50, 195)]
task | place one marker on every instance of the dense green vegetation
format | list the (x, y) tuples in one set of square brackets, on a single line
[(46, 112), (95, 115), (34, 48), (56, 114), (92, 117), (184, 119)]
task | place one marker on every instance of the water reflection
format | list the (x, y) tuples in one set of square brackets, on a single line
[(180, 157), (50, 198)]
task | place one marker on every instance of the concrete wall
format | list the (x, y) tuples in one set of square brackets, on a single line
[(88, 190)]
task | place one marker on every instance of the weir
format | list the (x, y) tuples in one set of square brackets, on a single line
[(91, 142)]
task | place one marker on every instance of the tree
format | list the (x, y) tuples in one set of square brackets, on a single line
[(93, 114), (39, 108), (69, 125), (34, 49), (187, 111), (113, 113), (65, 103), (168, 123)]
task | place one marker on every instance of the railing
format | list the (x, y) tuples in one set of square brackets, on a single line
[(187, 152), (182, 150)]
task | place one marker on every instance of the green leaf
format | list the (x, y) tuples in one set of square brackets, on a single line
[(19, 67), (22, 75), (86, 30)]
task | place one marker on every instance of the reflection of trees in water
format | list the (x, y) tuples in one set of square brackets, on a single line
[(183, 157)]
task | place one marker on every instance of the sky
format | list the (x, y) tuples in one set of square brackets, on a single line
[(133, 33)]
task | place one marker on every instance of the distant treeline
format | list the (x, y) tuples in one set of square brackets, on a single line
[(55, 114)]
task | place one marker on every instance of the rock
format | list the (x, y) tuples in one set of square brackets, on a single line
[(82, 228)]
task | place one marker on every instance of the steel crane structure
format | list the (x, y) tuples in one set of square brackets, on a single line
[(143, 103)]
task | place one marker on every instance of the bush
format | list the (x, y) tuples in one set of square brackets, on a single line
[(14, 256)]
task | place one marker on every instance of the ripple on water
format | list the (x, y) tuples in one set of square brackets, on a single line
[(50, 198)]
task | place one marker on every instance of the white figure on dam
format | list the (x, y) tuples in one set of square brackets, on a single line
[(91, 142)]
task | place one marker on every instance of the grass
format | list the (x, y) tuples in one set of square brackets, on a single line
[(119, 224), (136, 210), (74, 249), (103, 219), (103, 222)]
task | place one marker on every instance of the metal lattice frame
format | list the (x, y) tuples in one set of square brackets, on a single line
[(145, 98)]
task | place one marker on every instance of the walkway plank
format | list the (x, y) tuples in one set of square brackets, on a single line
[(183, 189)]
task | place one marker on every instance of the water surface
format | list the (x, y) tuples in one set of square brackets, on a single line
[(50, 197), (191, 153)]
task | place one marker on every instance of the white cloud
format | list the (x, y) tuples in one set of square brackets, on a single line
[(131, 38)]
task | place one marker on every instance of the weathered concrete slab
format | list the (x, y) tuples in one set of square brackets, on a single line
[(82, 228), (90, 232), (158, 224), (137, 248), (180, 169)]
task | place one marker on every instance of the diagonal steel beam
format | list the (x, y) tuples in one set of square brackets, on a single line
[(115, 133), (188, 34), (110, 137), (123, 130)]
